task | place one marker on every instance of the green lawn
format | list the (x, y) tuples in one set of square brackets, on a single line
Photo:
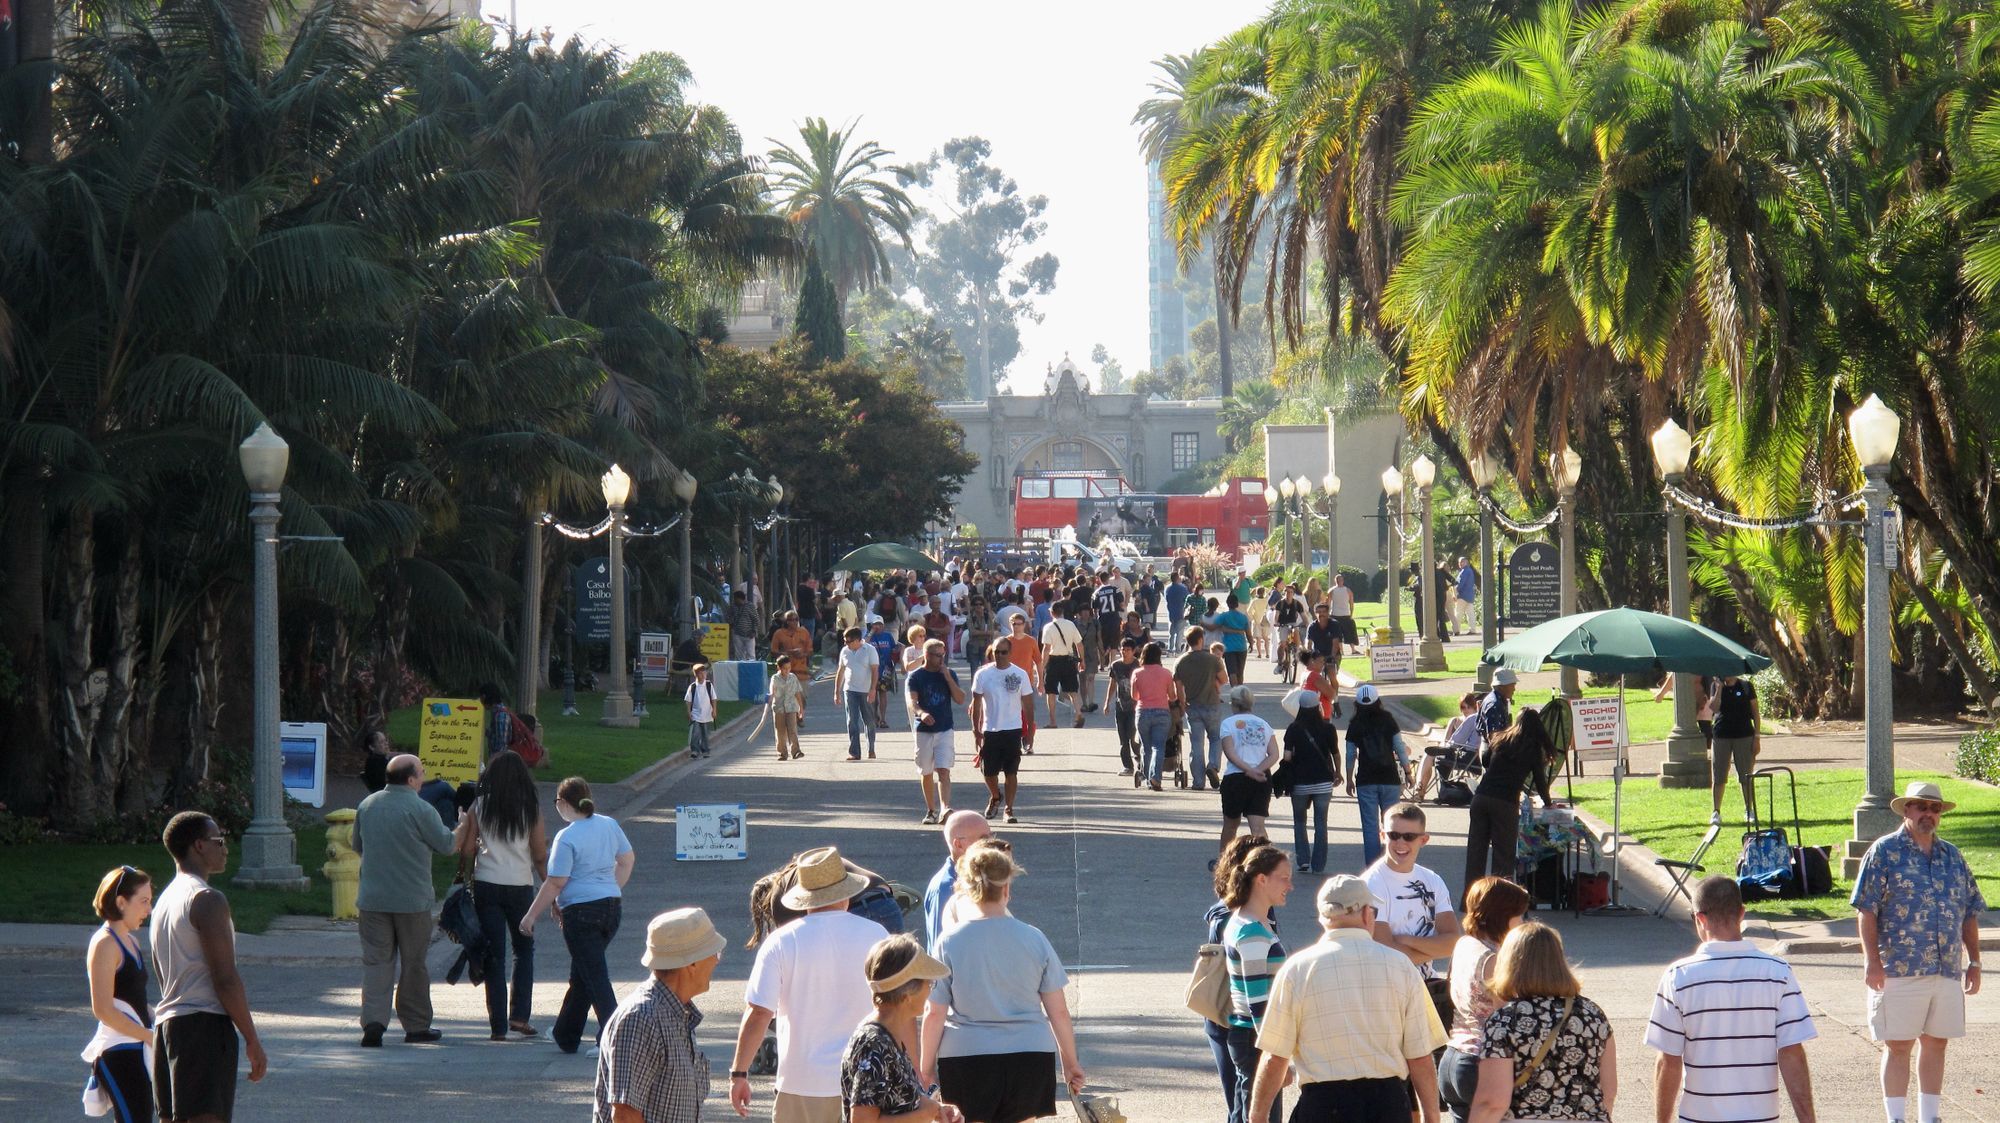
[(1670, 822), (52, 882), (1645, 720), (578, 746)]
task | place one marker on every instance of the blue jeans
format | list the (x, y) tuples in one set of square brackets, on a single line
[(879, 905), (1373, 799), (1310, 859), (1153, 727), (1225, 1069), (859, 718), (1204, 720), (1174, 631), (587, 929), (501, 908), (1458, 1079), (1243, 1056)]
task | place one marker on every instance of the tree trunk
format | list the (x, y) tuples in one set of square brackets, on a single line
[(122, 773), (80, 800), (251, 19), (527, 643), (24, 614), (986, 388), (205, 714), (35, 31), (1225, 363), (1961, 652)]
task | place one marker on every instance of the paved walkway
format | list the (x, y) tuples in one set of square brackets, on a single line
[(1116, 878)]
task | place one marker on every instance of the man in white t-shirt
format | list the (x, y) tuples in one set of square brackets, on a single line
[(810, 976), (1340, 603), (854, 680), (1416, 916), (1001, 696), (1062, 649)]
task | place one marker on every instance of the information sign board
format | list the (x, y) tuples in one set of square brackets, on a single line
[(1534, 584), (715, 643), (1597, 727), (711, 832), (451, 738), (1392, 662), (303, 747), (593, 601)]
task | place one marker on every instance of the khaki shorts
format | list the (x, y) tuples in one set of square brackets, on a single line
[(935, 751), (805, 1109), (1918, 1006)]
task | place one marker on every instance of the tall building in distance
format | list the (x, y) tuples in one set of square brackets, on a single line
[(1165, 309)]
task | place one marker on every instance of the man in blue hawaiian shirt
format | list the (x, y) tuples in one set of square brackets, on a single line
[(1919, 911)]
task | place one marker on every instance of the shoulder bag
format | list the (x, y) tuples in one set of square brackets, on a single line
[(1549, 1042), (1208, 984)]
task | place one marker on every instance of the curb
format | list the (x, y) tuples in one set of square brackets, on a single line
[(639, 782)]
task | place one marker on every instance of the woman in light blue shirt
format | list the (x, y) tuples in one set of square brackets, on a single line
[(589, 863)]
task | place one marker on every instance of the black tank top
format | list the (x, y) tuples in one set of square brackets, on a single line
[(129, 984)]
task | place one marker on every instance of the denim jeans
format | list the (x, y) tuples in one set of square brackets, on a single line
[(1373, 799), (1204, 725), (1458, 1079), (501, 908), (859, 717), (1243, 1055), (1153, 727), (1174, 631), (587, 929), (1128, 734), (1225, 1068), (1311, 859), (879, 905)]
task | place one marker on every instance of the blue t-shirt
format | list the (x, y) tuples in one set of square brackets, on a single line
[(933, 691), (884, 643), (1234, 641), (1468, 583), (587, 852), (1177, 595)]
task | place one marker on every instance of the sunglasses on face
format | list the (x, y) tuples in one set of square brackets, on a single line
[(1398, 836), (1925, 806)]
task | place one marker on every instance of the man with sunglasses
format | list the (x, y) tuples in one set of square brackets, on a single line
[(1416, 917), (1003, 700), (202, 1006), (1919, 911)]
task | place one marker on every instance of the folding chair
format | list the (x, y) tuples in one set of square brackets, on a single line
[(1683, 872)]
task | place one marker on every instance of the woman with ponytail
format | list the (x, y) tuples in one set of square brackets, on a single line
[(589, 863)]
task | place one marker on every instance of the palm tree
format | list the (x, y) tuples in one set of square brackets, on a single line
[(835, 192), (1162, 120), (1244, 409)]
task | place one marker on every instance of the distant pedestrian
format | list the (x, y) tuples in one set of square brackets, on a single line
[(1027, 655), (1352, 1018), (396, 834), (1250, 750), (882, 637), (793, 639), (1493, 907), (1062, 647), (1378, 765), (1003, 701), (743, 626), (1324, 638), (788, 707), (1233, 628), (1312, 760), (589, 864), (961, 830), (1176, 597), (1547, 1051), (649, 1069), (507, 845), (1124, 706), (375, 765), (1252, 954), (1199, 674), (499, 720), (810, 977), (1736, 739), (855, 680), (1495, 710), (1919, 909), (1154, 690), (119, 1053), (202, 1007), (998, 1023), (1465, 596), (1519, 758), (934, 697), (1340, 606), (878, 1071), (1730, 1021), (700, 698)]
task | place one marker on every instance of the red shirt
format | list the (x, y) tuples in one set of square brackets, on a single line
[(1153, 685)]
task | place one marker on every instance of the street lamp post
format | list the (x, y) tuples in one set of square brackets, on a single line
[(1686, 765), (774, 494), (1303, 488), (1568, 470), (1286, 489), (1331, 485), (270, 853), (1873, 427), (1430, 650), (618, 702), (684, 489), (1485, 470), (1392, 487), (1271, 516)]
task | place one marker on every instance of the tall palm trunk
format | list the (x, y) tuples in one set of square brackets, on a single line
[(527, 645), (24, 764), (250, 18), (1225, 363), (35, 32)]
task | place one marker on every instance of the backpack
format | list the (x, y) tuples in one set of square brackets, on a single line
[(523, 741), (1374, 745)]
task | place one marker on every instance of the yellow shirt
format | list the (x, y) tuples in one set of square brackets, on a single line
[(1348, 1008)]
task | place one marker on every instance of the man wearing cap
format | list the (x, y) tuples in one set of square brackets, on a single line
[(648, 1068), (1919, 911), (961, 830), (1355, 1020), (809, 976), (1495, 710)]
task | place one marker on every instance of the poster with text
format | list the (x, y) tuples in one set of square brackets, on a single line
[(1598, 727), (711, 832), (1392, 662), (715, 643), (451, 738)]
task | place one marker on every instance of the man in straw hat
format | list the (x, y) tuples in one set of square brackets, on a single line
[(1919, 910), (809, 976), (1354, 1017), (648, 1068)]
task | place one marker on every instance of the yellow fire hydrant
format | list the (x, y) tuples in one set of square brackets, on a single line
[(343, 867)]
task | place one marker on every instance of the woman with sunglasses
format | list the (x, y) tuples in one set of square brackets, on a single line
[(120, 1054)]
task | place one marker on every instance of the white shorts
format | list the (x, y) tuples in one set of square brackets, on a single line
[(1918, 1006), (935, 751)]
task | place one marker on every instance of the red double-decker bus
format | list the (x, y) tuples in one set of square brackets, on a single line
[(1095, 505)]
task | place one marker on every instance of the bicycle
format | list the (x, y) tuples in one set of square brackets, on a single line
[(1288, 656)]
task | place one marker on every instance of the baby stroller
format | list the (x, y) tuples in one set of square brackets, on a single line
[(1172, 761)]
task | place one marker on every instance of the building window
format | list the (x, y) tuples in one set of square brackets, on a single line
[(1068, 456), (1069, 487), (1187, 451), (1034, 489), (1181, 537), (1208, 536)]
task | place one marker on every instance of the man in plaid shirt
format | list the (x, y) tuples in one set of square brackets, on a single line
[(648, 1069)]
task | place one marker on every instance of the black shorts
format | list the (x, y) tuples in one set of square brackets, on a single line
[(1000, 1087), (1000, 752), (1348, 635), (194, 1066), (1233, 661), (1242, 796), (1061, 675), (121, 1072)]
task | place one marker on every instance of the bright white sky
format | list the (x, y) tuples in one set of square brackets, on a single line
[(1052, 83)]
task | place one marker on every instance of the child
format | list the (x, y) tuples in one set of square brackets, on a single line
[(1123, 706), (701, 711), (788, 708)]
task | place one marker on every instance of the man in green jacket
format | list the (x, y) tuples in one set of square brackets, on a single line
[(396, 832)]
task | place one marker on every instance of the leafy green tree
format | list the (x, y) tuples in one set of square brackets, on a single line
[(819, 316), (1110, 372), (835, 190)]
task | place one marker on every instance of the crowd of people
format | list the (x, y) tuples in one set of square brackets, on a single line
[(1409, 1001)]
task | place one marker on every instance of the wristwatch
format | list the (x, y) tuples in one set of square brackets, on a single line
[(739, 1074)]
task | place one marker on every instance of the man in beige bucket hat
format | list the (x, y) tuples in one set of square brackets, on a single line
[(648, 1069), (1919, 908), (809, 976)]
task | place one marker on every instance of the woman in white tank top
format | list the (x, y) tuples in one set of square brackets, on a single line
[(504, 843)]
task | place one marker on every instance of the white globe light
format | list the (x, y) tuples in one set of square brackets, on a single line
[(1672, 446), (1392, 481), (1873, 428), (617, 487), (1285, 487), (1423, 473), (1331, 484)]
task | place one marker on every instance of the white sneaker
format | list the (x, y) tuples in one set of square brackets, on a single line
[(1715, 819)]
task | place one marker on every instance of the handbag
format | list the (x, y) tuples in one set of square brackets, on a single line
[(1281, 778), (1548, 1043), (1208, 985)]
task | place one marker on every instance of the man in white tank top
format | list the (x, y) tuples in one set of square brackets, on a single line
[(202, 1003)]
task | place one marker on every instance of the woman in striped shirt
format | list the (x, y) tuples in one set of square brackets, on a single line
[(1253, 954)]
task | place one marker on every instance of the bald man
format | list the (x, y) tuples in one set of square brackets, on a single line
[(961, 830), (396, 832)]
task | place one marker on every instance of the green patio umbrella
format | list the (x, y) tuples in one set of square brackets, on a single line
[(886, 555), (1625, 641)]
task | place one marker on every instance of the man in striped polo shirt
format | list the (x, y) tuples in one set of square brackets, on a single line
[(1729, 1022)]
